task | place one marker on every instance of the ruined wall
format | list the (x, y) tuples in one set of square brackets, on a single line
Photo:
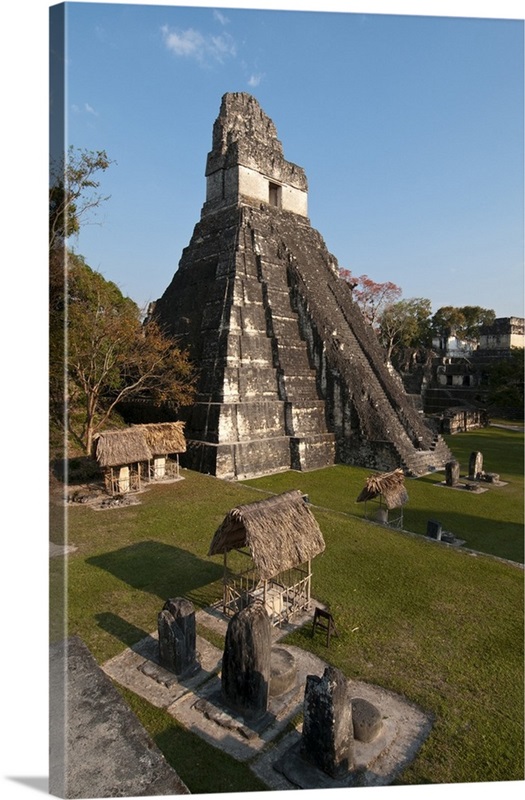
[(246, 163), (243, 184), (504, 333)]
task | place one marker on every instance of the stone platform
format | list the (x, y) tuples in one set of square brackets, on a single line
[(377, 763), (98, 747), (268, 744)]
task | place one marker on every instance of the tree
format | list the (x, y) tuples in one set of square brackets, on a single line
[(405, 324), (506, 381), (100, 352), (464, 322), (446, 322), (371, 297), (72, 192), (111, 356), (475, 318)]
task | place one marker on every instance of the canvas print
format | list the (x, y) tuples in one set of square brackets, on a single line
[(286, 400)]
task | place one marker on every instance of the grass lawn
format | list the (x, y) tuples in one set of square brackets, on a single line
[(444, 627), (491, 522)]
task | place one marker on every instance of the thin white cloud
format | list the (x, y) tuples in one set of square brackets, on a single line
[(222, 46), (220, 17), (184, 43), (254, 80), (203, 48), (85, 109)]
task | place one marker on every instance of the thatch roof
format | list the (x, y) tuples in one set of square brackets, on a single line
[(389, 485), (164, 437), (281, 532), (120, 447)]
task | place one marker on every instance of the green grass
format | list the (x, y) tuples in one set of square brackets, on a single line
[(491, 522), (444, 627), (203, 768)]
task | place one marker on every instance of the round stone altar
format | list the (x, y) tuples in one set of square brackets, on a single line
[(283, 671)]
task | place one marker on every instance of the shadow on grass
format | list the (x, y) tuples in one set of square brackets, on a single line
[(78, 470), (160, 569), (120, 628), (479, 531), (502, 450), (206, 769)]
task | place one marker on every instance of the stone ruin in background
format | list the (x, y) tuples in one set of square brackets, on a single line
[(291, 376)]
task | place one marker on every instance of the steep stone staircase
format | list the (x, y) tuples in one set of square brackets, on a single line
[(312, 444), (385, 413)]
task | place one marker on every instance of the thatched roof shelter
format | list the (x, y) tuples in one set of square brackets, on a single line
[(126, 446), (389, 486), (281, 533), (164, 437)]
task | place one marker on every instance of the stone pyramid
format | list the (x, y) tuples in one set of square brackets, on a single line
[(291, 376)]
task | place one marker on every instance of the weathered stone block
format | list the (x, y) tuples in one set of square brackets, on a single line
[(452, 473), (434, 529), (312, 452), (283, 672), (257, 457), (475, 465), (177, 637), (306, 417), (246, 662), (327, 736), (366, 719)]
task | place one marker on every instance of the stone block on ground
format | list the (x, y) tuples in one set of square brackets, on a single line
[(327, 737), (366, 719), (177, 637), (246, 661)]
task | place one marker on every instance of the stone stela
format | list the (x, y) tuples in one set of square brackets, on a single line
[(327, 738), (452, 473), (177, 637), (252, 693), (476, 481), (246, 662)]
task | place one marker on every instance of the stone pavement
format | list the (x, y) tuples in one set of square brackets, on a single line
[(98, 747), (271, 745)]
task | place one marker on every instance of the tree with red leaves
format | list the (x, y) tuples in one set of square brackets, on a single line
[(371, 297)]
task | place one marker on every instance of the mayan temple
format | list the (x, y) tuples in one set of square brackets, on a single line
[(290, 374)]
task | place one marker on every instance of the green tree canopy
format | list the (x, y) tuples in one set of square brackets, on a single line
[(465, 322), (100, 351), (405, 324), (73, 192), (110, 355), (506, 380)]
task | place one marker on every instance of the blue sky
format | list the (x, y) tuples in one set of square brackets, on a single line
[(410, 129)]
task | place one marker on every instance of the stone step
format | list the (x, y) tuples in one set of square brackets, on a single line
[(313, 452), (293, 359), (223, 422), (221, 383), (306, 418), (300, 387)]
